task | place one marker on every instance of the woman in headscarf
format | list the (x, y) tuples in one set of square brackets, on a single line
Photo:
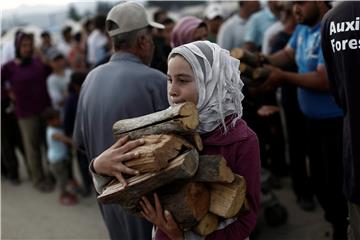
[(205, 74), (25, 77), (188, 29)]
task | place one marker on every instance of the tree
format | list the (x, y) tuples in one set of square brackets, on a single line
[(103, 7), (73, 14)]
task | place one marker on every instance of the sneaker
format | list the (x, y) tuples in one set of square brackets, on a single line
[(68, 199)]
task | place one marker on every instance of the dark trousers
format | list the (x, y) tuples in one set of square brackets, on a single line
[(272, 144), (123, 226), (61, 173), (325, 154), (84, 171), (271, 139), (32, 132), (10, 140), (295, 123)]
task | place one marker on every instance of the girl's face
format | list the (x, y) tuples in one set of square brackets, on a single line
[(181, 81)]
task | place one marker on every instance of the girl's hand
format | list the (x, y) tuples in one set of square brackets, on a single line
[(110, 162), (162, 219)]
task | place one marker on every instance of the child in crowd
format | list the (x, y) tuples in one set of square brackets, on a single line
[(58, 154), (58, 81), (205, 74)]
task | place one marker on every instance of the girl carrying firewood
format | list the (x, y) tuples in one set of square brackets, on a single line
[(205, 74)]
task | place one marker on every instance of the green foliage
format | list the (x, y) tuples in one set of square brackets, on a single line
[(73, 14)]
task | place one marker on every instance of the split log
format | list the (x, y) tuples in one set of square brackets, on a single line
[(194, 139), (226, 199), (180, 118), (182, 167), (207, 224), (188, 203), (245, 208), (156, 152), (213, 168), (210, 221)]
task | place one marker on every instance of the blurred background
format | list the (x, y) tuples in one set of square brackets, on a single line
[(30, 214)]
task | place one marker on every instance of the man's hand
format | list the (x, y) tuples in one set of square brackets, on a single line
[(267, 110), (162, 219), (275, 79), (110, 162)]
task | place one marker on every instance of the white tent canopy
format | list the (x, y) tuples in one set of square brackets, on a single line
[(9, 36)]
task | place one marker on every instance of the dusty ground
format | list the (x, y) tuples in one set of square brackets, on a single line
[(28, 214)]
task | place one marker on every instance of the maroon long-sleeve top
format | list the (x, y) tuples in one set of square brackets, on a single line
[(28, 83)]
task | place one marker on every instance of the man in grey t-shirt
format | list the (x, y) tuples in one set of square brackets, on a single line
[(125, 87), (232, 31)]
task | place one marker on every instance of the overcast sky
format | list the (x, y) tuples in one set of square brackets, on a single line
[(12, 4)]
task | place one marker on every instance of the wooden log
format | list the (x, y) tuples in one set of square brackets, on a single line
[(246, 70), (260, 75), (245, 208), (191, 137), (226, 199), (213, 168), (179, 118), (188, 203), (194, 139), (182, 167), (207, 224), (156, 152), (245, 56), (175, 126)]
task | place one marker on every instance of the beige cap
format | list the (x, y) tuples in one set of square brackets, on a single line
[(129, 16), (213, 10)]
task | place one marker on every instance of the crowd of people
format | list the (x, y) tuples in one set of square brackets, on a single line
[(295, 124)]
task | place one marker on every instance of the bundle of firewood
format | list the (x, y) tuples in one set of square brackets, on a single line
[(197, 190), (251, 66)]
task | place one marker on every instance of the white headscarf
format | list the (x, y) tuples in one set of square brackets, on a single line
[(218, 83)]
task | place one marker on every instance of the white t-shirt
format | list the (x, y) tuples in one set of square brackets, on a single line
[(8, 52), (57, 87), (269, 35), (57, 151), (64, 48), (231, 33), (96, 42)]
